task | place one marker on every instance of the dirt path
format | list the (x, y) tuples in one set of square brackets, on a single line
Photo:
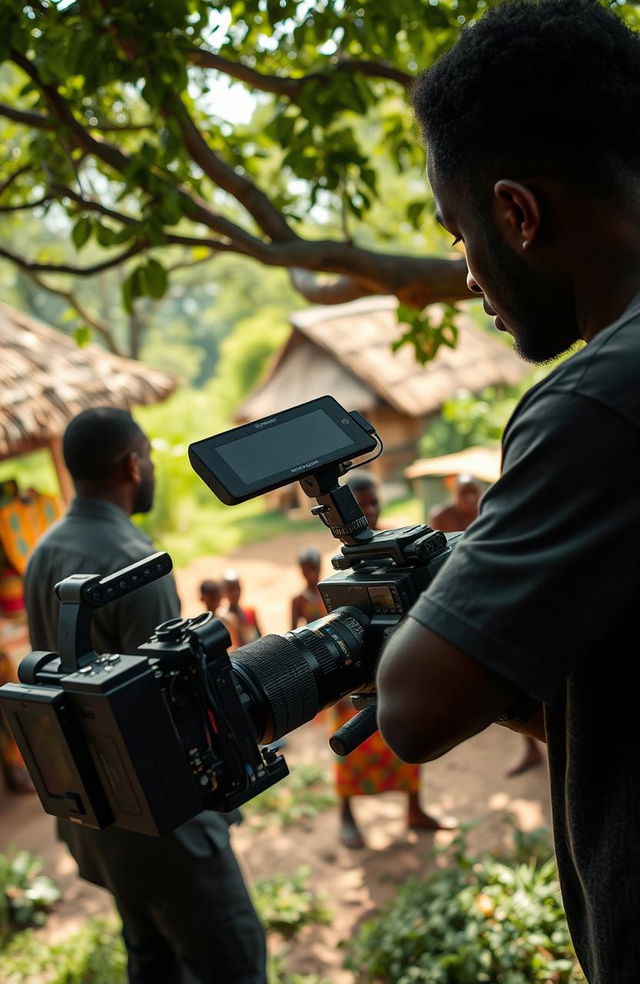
[(468, 783)]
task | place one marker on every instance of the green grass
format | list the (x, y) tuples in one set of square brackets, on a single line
[(34, 469), (217, 530), (304, 794)]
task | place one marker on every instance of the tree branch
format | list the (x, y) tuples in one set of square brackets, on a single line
[(337, 292), (415, 281), (34, 120), (97, 323), (193, 206), (236, 70), (120, 127), (374, 70), (8, 181), (291, 87), (63, 191), (25, 205), (31, 266), (215, 245), (270, 220)]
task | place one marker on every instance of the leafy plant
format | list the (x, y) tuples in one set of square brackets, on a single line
[(25, 893), (468, 420), (94, 955), (286, 904), (152, 89), (478, 920), (302, 796)]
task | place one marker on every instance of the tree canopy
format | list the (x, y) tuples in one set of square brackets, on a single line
[(122, 114)]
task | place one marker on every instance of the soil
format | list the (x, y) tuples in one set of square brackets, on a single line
[(469, 784)]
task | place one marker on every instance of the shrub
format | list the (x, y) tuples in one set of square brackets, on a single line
[(304, 794), (25, 893), (286, 904), (485, 920), (94, 955)]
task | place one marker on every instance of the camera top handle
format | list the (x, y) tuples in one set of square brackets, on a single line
[(79, 595)]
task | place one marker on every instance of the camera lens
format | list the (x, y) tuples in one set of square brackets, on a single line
[(285, 680)]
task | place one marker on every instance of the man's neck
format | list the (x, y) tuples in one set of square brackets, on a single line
[(119, 500), (607, 264)]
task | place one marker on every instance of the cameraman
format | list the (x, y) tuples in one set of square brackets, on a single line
[(186, 914), (531, 127)]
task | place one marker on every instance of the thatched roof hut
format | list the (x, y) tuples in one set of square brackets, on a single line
[(46, 379), (346, 351)]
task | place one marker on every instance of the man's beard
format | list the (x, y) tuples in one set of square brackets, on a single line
[(143, 500), (539, 331), (538, 350)]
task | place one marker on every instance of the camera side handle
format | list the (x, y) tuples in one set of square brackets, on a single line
[(354, 732)]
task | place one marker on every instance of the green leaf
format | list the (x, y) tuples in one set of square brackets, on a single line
[(157, 280), (82, 335), (105, 236), (81, 232), (415, 211), (131, 290)]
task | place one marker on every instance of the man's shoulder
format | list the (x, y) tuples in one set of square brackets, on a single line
[(73, 540)]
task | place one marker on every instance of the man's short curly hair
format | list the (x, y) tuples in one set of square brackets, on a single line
[(535, 84)]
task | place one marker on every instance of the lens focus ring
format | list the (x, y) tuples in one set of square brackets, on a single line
[(282, 672)]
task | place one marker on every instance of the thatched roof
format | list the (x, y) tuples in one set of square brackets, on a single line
[(45, 379), (481, 462), (346, 351)]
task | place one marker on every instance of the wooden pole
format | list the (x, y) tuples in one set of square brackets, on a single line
[(64, 478)]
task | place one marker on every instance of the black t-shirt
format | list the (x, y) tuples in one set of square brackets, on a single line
[(545, 590)]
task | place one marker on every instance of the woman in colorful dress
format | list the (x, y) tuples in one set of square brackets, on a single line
[(373, 768)]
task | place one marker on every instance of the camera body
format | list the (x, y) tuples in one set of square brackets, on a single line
[(148, 740), (145, 741)]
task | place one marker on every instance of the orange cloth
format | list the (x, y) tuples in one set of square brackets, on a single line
[(11, 593), (9, 753), (372, 767), (23, 520)]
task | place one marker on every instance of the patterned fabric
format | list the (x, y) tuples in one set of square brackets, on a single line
[(23, 520), (371, 768), (11, 593)]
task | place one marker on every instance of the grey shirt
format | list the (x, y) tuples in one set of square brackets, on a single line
[(96, 537), (545, 590)]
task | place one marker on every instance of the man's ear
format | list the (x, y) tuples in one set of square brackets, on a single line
[(131, 467), (517, 212)]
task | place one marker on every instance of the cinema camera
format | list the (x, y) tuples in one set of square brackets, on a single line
[(148, 740)]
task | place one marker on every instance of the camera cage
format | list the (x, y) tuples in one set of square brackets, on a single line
[(50, 682)]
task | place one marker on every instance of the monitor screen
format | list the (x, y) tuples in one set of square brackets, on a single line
[(280, 448)]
